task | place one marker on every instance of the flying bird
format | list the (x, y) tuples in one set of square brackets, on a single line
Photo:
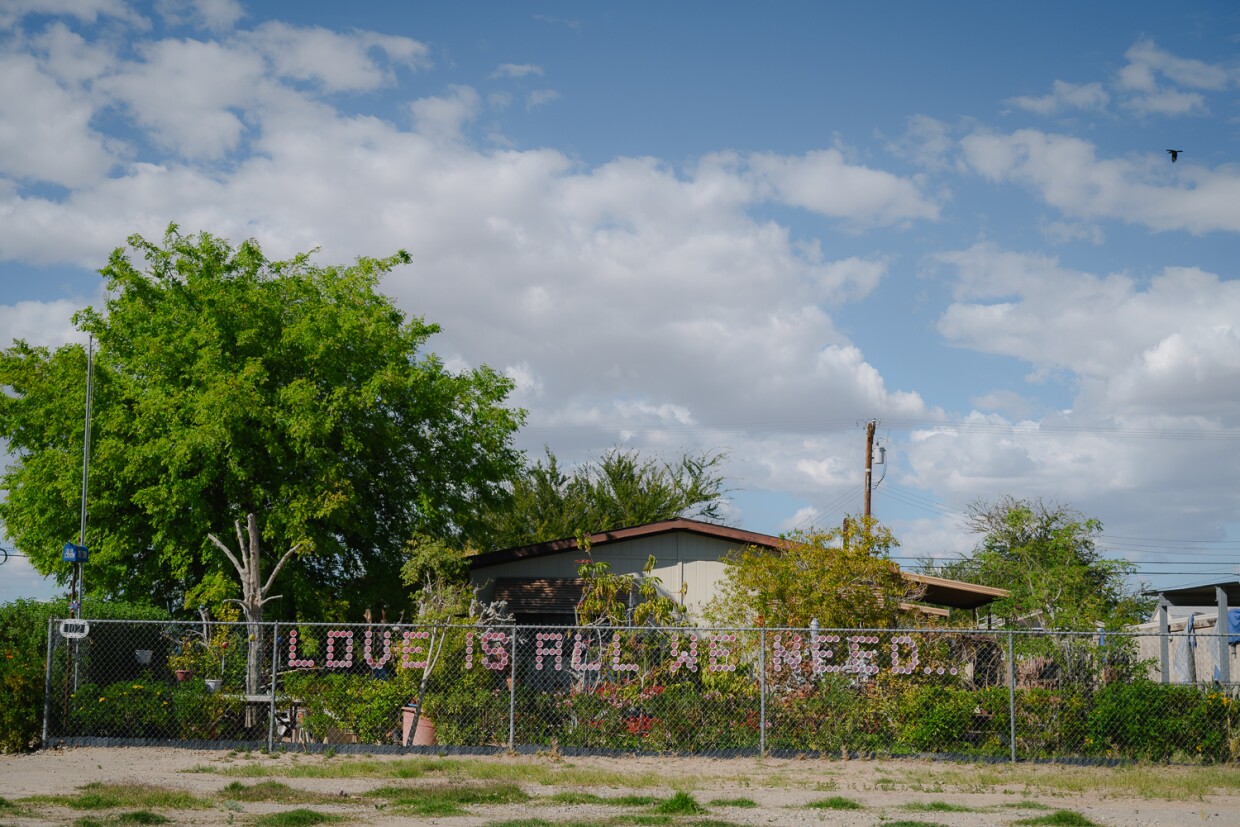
[(1175, 154)]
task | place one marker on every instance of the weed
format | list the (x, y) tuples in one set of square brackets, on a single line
[(616, 801), (936, 807), (681, 804), (835, 802), (273, 791), (734, 802), (141, 817), (449, 800), (1059, 818), (295, 818), (99, 796)]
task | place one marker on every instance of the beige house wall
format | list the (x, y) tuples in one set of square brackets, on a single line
[(683, 560)]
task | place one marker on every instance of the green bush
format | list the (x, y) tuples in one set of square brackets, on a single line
[(365, 706), (23, 652), (1157, 722), (832, 715), (126, 709), (938, 719)]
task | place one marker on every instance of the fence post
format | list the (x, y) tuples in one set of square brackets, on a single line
[(271, 714), (512, 693), (1012, 693), (47, 682), (762, 692)]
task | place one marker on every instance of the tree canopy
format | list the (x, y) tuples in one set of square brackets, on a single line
[(227, 383), (841, 577), (620, 489), (1047, 556)]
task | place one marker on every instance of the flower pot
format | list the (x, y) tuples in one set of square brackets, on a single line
[(214, 684), (143, 656), (184, 675), (424, 735)]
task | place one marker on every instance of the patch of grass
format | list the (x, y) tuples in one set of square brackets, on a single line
[(1059, 818), (1135, 781), (99, 796), (681, 804), (561, 774), (447, 799), (1025, 805), (300, 817), (835, 802), (276, 791), (734, 802), (7, 806), (936, 807), (141, 817), (572, 797), (133, 817)]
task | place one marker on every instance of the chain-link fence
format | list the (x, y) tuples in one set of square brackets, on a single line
[(999, 695)]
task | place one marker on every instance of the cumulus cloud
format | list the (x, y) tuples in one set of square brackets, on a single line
[(339, 62), (517, 70), (45, 131), (212, 15), (85, 11), (1169, 346), (1145, 81), (1068, 174), (1063, 97), (41, 324), (823, 182)]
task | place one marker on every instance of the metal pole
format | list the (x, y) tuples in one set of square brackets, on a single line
[(1223, 629), (762, 692), (47, 682), (512, 694), (271, 714), (81, 573), (1164, 653), (1012, 693)]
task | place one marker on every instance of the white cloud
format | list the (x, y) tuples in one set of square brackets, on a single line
[(1148, 70), (1065, 96), (212, 15), (443, 118), (41, 324), (1067, 173), (45, 131), (540, 97), (823, 182), (926, 142), (86, 11), (517, 70), (338, 62), (1171, 346), (188, 93)]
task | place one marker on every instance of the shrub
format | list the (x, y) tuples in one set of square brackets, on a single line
[(121, 710), (23, 652)]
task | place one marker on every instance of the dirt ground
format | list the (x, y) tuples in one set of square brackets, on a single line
[(992, 794)]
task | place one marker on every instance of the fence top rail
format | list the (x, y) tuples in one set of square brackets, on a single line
[(1097, 635)]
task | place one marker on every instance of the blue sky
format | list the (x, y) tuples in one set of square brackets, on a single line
[(711, 226)]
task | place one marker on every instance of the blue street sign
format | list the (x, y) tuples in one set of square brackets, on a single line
[(73, 553)]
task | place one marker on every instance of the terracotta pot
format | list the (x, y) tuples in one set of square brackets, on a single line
[(184, 674), (424, 735)]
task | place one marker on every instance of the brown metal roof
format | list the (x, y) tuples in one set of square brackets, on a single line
[(508, 555), (944, 592)]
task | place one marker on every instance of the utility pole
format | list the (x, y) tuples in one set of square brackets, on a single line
[(869, 462)]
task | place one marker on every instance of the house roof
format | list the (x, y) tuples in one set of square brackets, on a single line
[(1201, 594), (944, 592)]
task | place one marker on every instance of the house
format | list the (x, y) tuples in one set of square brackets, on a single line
[(540, 583)]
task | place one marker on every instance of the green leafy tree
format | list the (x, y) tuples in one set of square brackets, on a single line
[(228, 384), (841, 577), (1047, 556), (620, 489)]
